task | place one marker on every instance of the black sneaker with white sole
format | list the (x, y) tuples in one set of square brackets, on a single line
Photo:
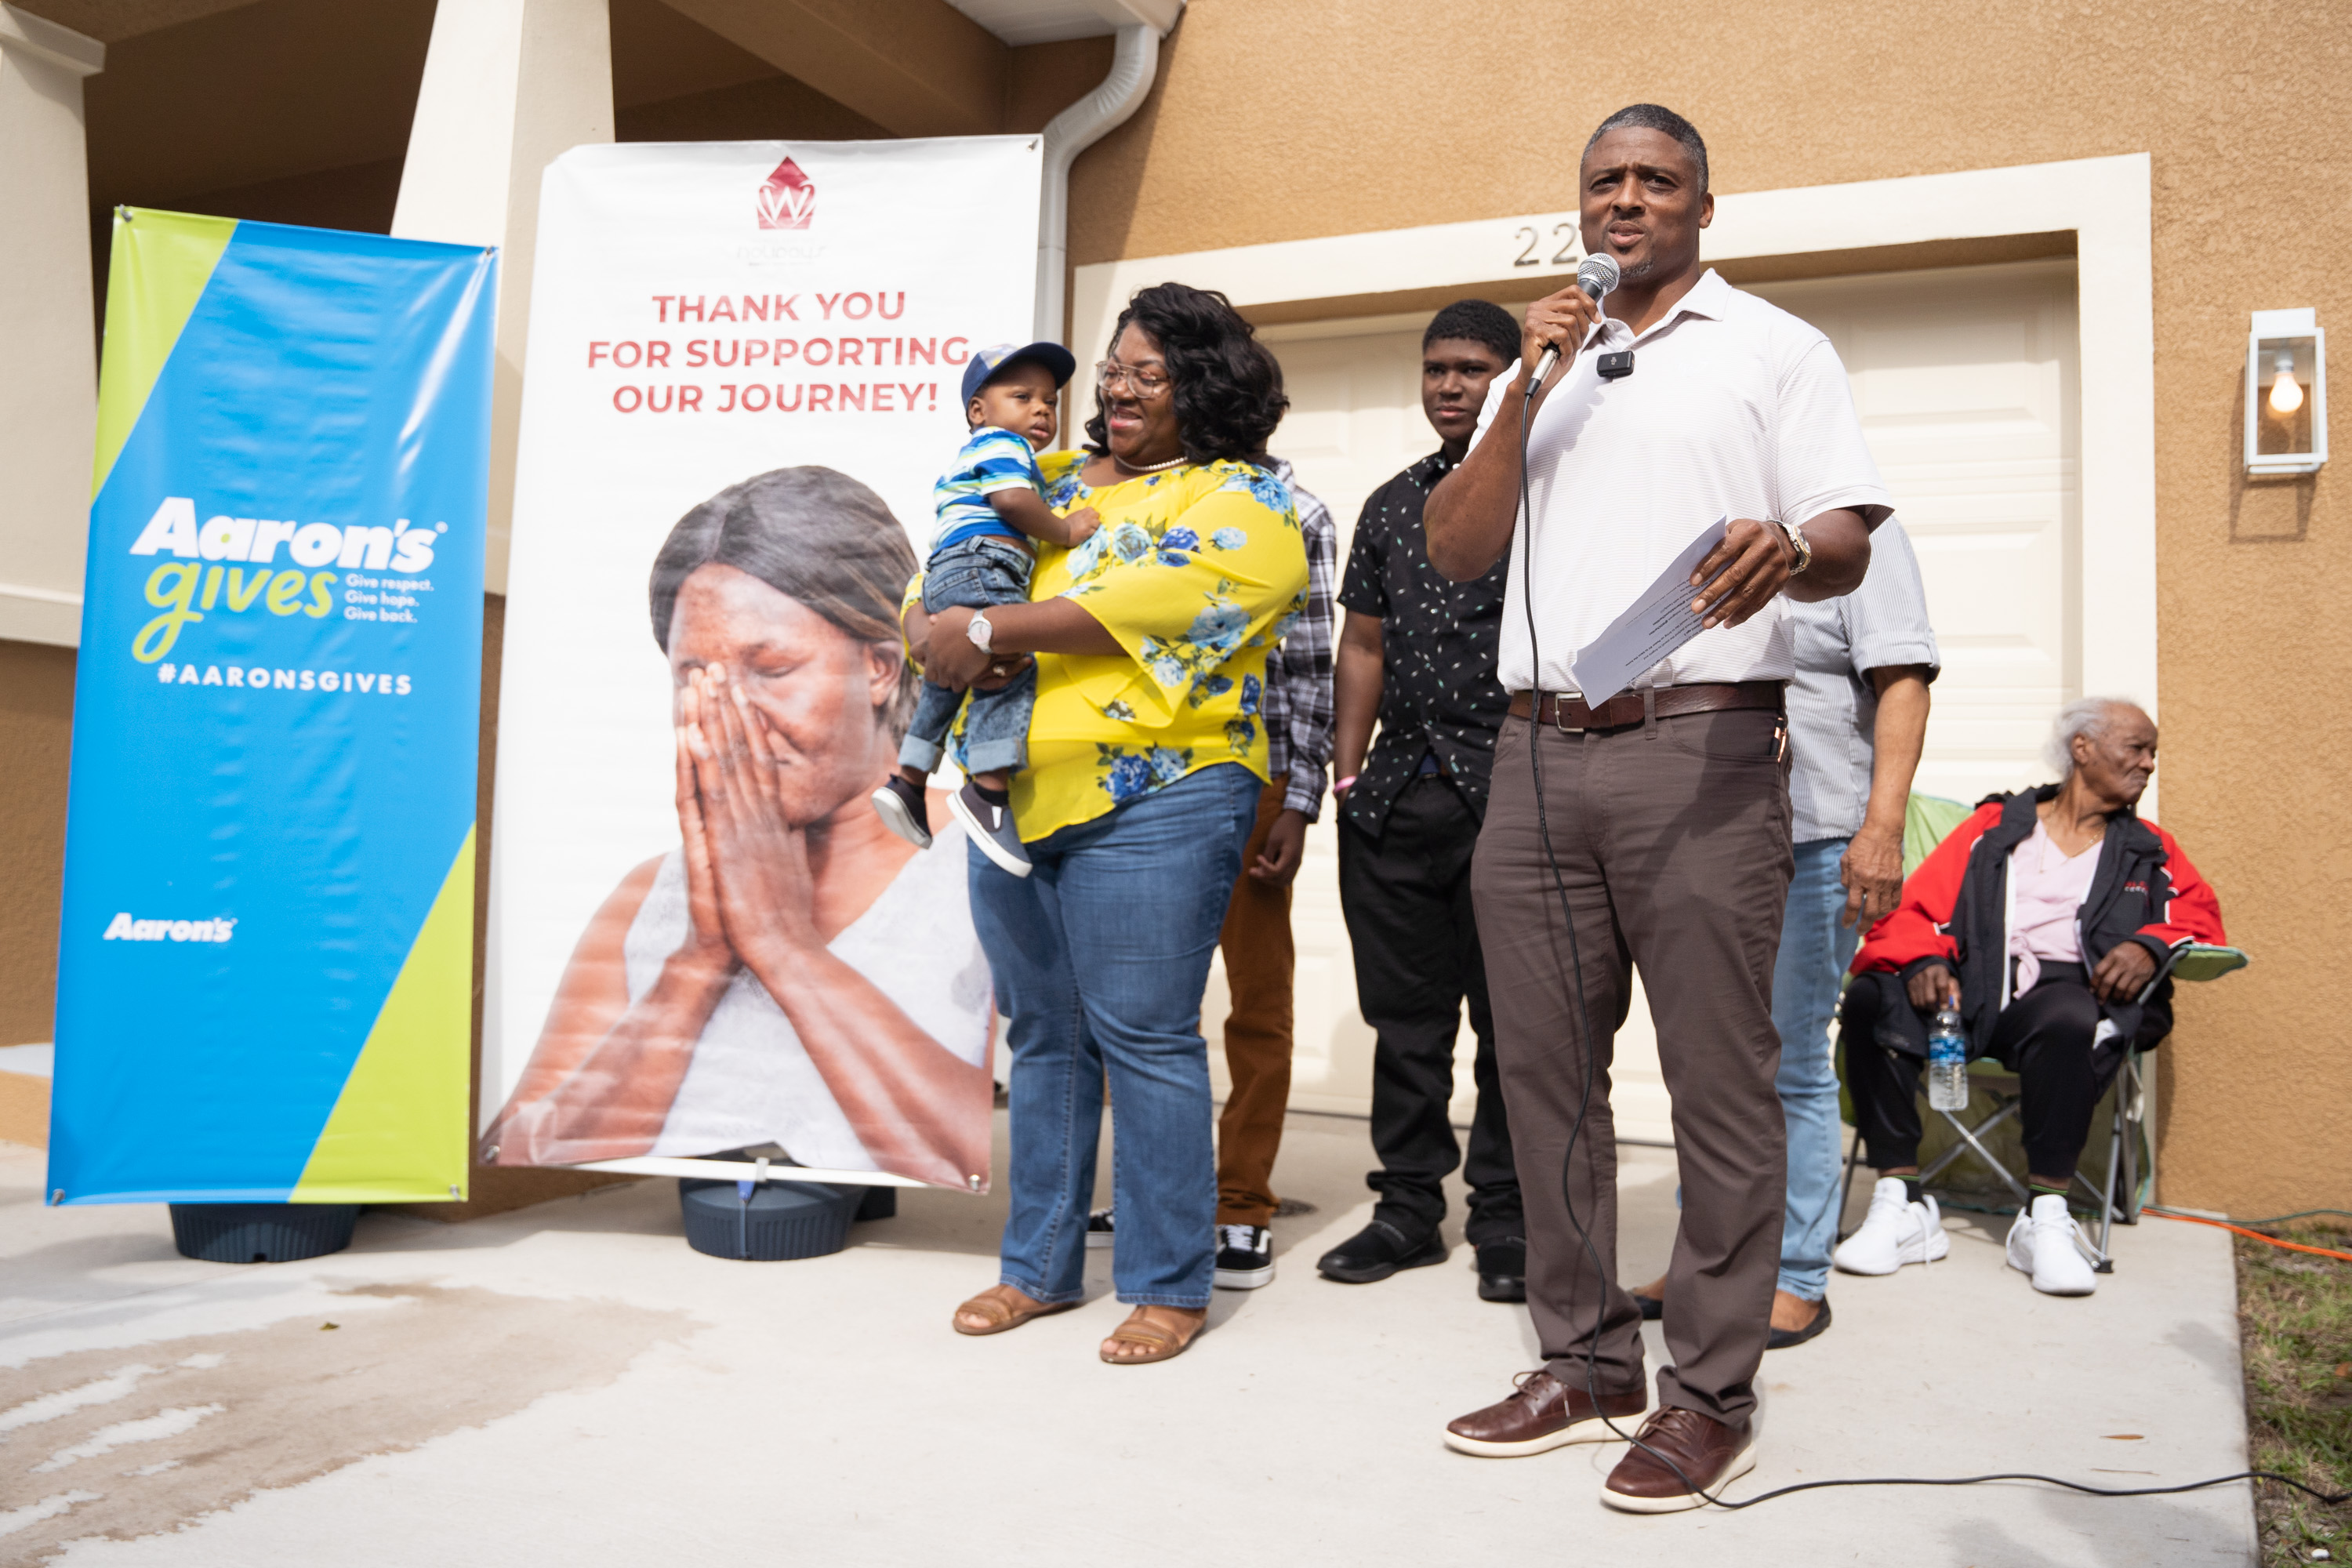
[(1245, 1257), (1099, 1226), (904, 812), (991, 827)]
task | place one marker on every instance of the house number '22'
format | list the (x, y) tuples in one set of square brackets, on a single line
[(1530, 253)]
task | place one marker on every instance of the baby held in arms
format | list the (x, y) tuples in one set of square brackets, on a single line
[(990, 504)]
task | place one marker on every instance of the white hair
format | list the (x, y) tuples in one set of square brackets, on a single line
[(2084, 716)]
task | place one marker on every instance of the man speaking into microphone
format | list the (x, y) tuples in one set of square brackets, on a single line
[(1662, 828)]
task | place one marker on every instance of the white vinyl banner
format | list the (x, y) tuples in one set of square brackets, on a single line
[(743, 379)]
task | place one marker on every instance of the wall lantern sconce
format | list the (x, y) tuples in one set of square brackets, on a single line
[(2286, 393)]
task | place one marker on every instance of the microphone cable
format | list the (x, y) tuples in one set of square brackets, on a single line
[(1584, 1103)]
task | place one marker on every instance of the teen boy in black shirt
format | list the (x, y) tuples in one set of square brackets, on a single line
[(1418, 653)]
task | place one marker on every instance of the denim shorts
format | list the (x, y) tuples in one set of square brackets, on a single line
[(976, 573)]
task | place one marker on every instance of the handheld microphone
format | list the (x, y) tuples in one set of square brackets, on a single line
[(1596, 276)]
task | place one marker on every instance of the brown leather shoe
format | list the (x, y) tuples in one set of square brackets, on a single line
[(1544, 1413), (1708, 1454)]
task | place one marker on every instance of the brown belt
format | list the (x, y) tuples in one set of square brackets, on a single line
[(1629, 708)]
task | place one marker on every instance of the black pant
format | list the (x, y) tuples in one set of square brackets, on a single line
[(1406, 896), (2043, 1036)]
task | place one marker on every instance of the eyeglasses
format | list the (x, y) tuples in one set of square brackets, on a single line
[(1114, 377)]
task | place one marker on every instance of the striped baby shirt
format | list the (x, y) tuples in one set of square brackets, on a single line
[(992, 461)]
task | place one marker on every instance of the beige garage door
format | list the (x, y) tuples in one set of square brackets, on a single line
[(1965, 381)]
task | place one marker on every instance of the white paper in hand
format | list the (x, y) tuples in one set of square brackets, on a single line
[(1659, 622)]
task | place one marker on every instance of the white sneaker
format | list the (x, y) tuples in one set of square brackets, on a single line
[(1895, 1232), (2046, 1244)]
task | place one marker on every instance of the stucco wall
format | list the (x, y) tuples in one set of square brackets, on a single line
[(1287, 118), (36, 737)]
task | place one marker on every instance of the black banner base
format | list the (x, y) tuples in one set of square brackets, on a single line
[(261, 1233), (776, 1221)]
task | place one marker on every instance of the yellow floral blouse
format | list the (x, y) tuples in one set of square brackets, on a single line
[(1198, 571)]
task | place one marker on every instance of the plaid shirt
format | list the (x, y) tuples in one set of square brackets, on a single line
[(1298, 706)]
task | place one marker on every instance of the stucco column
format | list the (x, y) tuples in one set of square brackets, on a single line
[(509, 85), (49, 342)]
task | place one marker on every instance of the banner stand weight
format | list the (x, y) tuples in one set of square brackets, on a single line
[(261, 1233)]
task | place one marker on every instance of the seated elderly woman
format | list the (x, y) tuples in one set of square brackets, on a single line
[(2053, 916)]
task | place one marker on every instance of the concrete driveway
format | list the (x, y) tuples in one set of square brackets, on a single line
[(569, 1384)]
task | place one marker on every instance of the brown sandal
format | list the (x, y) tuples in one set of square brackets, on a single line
[(1159, 1343), (993, 1304)]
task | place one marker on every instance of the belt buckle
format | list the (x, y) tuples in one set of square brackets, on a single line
[(1560, 714)]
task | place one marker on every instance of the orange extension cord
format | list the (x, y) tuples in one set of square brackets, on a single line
[(2241, 1230)]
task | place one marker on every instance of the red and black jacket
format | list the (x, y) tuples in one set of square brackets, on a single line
[(1955, 910)]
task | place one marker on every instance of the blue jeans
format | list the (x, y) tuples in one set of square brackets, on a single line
[(1815, 948), (975, 573), (1100, 956)]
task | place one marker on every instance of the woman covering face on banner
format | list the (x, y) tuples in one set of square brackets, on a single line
[(791, 974)]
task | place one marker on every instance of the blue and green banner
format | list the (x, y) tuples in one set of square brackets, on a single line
[(264, 973)]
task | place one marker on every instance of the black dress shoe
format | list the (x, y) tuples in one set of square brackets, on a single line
[(1652, 1308), (1503, 1270), (1377, 1251), (1781, 1339)]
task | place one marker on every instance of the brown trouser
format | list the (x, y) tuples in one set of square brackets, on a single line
[(1259, 964), (1673, 843)]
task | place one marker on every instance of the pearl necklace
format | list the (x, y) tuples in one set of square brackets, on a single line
[(1149, 467)]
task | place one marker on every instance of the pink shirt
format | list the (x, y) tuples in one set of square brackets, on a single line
[(2046, 889)]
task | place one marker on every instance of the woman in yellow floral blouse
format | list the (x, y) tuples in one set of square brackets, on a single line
[(1146, 758)]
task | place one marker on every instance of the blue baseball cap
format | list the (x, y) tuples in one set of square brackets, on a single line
[(987, 361)]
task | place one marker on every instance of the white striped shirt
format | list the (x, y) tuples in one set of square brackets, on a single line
[(1734, 408)]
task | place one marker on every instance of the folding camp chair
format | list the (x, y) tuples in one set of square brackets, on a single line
[(1927, 819), (2131, 1153)]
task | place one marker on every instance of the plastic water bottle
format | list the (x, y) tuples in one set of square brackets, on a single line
[(1948, 1062)]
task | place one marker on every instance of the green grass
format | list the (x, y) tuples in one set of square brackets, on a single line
[(2294, 1319)]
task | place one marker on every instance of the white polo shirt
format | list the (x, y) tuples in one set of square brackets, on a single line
[(1734, 408)]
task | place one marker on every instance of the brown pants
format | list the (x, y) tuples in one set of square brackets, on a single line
[(1673, 843), (1260, 962)]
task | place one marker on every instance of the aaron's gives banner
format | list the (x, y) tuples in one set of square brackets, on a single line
[(744, 376), (265, 972)]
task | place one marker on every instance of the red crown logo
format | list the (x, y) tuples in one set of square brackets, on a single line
[(788, 200)]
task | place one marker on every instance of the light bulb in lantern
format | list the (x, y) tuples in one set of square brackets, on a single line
[(2286, 393)]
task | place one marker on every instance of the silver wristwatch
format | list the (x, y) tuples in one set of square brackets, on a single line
[(980, 631), (1798, 543)]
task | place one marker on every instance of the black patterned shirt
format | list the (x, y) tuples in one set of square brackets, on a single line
[(1439, 696)]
